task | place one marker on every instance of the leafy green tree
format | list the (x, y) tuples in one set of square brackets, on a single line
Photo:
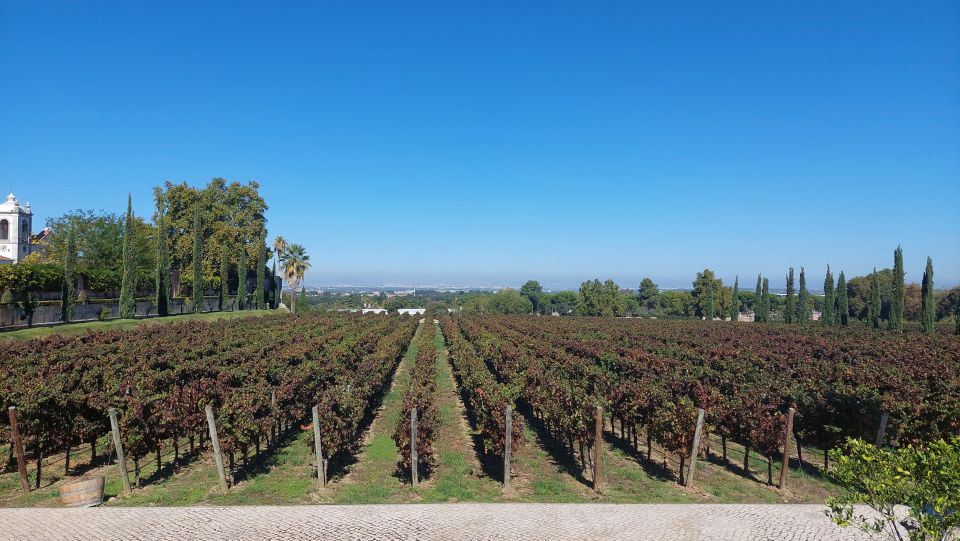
[(258, 292), (128, 301), (647, 294), (895, 321), (926, 480), (873, 303), (162, 286), (859, 293), (708, 304), (720, 297), (69, 278), (956, 319), (562, 302), (242, 278), (534, 293), (843, 307), (197, 263), (631, 306), (677, 303), (734, 305), (224, 278), (98, 238), (947, 302), (766, 300), (828, 314), (295, 263), (803, 299), (791, 309), (229, 212), (509, 301), (600, 299), (928, 313)]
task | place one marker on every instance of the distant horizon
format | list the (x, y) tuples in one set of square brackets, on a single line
[(814, 285)]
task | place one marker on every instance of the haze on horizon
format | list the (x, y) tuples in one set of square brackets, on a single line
[(489, 144)]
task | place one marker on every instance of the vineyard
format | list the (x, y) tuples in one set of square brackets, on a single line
[(655, 374), (260, 375), (543, 400)]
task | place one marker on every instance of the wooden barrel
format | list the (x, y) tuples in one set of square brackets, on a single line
[(82, 493)]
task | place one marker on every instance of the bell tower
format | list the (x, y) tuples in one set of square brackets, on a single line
[(16, 228)]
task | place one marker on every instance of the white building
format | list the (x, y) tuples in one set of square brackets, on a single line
[(411, 311), (16, 226)]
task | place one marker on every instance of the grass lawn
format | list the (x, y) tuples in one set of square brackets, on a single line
[(80, 328)]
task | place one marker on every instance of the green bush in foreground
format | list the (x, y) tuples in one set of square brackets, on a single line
[(926, 480)]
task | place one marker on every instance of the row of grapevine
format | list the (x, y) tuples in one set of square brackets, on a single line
[(257, 373), (487, 399), (655, 373), (420, 394), (839, 380), (558, 389)]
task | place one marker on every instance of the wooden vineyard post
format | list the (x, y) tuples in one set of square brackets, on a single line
[(882, 430), (18, 448), (321, 470), (695, 449), (118, 447), (508, 443), (414, 474), (597, 449), (786, 449), (215, 441), (273, 421)]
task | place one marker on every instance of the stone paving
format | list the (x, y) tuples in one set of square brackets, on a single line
[(430, 522)]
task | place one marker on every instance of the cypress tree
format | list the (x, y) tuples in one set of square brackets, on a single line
[(242, 278), (735, 305), (873, 301), (69, 277), (757, 300), (128, 302), (163, 257), (765, 304), (708, 309), (790, 311), (843, 301), (928, 307), (273, 286), (803, 300), (828, 316), (197, 263), (258, 296), (896, 295), (224, 278)]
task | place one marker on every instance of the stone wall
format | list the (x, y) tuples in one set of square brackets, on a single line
[(12, 316)]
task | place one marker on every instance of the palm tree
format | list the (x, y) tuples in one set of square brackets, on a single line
[(295, 262), (279, 246)]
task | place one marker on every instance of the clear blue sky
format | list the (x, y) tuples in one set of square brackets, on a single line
[(487, 142)]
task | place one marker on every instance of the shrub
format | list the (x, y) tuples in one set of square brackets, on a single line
[(103, 314), (924, 479)]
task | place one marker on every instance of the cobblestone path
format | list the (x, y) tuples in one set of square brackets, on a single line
[(430, 522)]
